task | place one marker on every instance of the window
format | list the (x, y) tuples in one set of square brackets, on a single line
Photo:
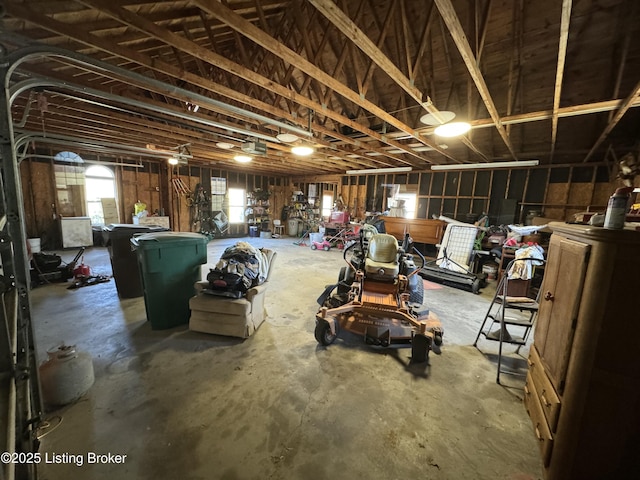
[(99, 184), (327, 204), (402, 204), (236, 205)]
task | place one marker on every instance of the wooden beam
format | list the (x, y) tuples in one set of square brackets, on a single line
[(81, 35), (572, 111), (628, 103), (629, 17), (565, 20), (261, 38), (445, 7), (359, 38), (406, 31), (381, 38), (417, 61)]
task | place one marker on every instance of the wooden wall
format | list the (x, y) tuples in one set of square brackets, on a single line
[(155, 184), (557, 192)]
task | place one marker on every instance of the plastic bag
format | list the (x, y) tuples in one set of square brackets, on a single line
[(523, 269), (139, 207)]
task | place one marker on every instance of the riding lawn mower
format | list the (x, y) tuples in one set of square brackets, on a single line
[(379, 295)]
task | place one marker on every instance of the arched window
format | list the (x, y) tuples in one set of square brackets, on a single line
[(99, 183)]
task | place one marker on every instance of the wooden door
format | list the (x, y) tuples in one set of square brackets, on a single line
[(559, 305)]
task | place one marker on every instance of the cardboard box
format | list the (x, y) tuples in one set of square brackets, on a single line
[(109, 211), (160, 221)]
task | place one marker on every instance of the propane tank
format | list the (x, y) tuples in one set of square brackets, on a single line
[(617, 208), (66, 375)]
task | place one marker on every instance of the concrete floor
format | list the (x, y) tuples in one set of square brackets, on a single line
[(186, 405)]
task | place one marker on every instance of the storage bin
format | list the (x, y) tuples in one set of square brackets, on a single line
[(124, 264), (169, 265)]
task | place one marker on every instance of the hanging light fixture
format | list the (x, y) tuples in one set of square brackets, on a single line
[(444, 126), (225, 145), (444, 116), (287, 137), (453, 129), (242, 158), (302, 150)]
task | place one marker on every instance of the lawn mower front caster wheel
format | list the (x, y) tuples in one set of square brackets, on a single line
[(323, 333)]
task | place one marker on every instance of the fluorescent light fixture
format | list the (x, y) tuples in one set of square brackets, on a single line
[(473, 166), (173, 161), (242, 158), (302, 150), (379, 170), (452, 129)]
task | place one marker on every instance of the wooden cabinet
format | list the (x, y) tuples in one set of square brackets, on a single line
[(583, 386)]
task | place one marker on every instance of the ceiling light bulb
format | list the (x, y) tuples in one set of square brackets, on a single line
[(302, 150), (225, 145), (287, 137), (453, 129), (242, 158), (173, 161)]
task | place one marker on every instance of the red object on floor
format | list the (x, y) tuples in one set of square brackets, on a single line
[(430, 285), (82, 270)]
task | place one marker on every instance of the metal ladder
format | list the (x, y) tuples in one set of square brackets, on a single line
[(497, 316)]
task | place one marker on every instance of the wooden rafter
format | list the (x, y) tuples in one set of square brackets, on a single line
[(628, 103), (565, 19), (190, 50), (381, 38), (450, 17), (417, 61), (79, 34), (250, 31)]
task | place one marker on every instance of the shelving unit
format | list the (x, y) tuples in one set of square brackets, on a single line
[(258, 211), (219, 206)]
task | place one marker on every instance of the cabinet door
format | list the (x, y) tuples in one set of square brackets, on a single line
[(559, 305)]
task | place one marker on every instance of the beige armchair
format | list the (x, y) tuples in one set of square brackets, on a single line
[(235, 317)]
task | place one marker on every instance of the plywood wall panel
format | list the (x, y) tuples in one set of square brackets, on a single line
[(43, 197), (557, 193), (580, 194), (601, 195), (128, 194), (556, 213)]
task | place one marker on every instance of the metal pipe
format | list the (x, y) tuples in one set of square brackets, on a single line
[(20, 87), (109, 147), (25, 114), (91, 162), (23, 54)]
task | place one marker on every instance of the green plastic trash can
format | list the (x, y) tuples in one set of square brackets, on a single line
[(169, 265), (124, 264)]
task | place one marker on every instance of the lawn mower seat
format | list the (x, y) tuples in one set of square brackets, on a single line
[(382, 258)]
